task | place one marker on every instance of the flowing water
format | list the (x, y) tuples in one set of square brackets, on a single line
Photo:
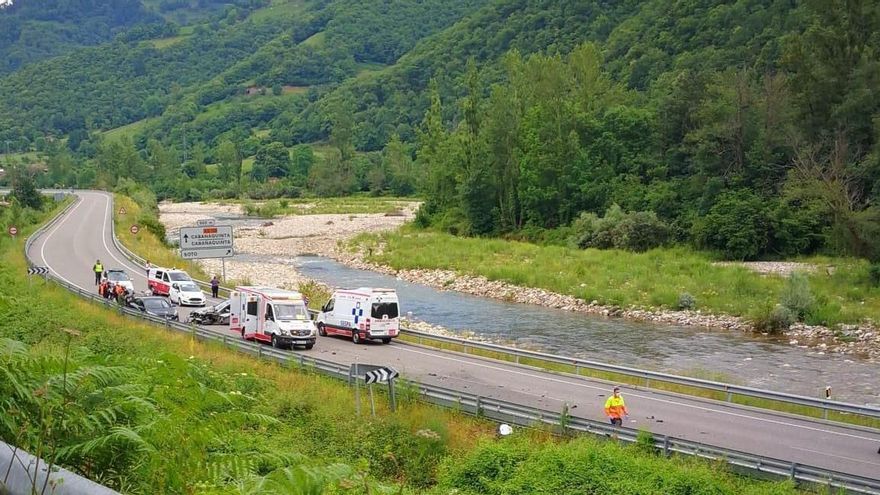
[(758, 362)]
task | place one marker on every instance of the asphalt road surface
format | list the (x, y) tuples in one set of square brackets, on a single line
[(72, 245)]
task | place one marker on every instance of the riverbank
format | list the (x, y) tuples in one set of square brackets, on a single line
[(272, 245)]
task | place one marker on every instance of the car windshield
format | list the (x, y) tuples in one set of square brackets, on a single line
[(291, 312), (222, 306), (156, 304), (178, 276), (383, 310), (188, 287), (117, 276)]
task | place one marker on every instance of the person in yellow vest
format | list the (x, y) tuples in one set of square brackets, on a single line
[(615, 408), (99, 270)]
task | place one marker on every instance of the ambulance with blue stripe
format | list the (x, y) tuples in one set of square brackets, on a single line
[(361, 314)]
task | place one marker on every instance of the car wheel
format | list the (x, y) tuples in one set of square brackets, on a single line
[(309, 346), (274, 341), (355, 337), (321, 330), (386, 340)]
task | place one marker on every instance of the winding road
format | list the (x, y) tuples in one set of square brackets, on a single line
[(72, 245)]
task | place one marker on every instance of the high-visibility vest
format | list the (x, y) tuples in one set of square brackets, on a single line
[(98, 268), (615, 407)]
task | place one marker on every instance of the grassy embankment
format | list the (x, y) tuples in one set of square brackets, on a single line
[(146, 411), (352, 205), (652, 280)]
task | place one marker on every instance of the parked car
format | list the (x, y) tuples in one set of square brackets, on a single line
[(119, 277), (160, 280), (186, 293), (211, 315), (156, 306)]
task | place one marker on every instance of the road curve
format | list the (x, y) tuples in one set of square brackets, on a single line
[(84, 235)]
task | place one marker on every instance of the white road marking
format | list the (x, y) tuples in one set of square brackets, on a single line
[(838, 456), (666, 401)]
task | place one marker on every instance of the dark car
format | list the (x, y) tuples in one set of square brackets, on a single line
[(211, 315), (156, 306)]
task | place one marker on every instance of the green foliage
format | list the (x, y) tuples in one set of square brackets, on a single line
[(736, 226), (634, 231), (874, 274), (797, 297), (686, 301), (587, 466), (773, 320)]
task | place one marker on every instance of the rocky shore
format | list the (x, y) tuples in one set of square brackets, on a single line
[(285, 238)]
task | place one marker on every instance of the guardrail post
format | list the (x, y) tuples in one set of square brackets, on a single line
[(259, 351), (793, 472), (465, 348), (577, 369), (479, 411), (824, 413), (666, 445), (225, 344)]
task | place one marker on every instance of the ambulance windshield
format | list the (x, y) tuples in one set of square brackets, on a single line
[(291, 312)]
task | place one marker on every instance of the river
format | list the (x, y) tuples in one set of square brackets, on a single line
[(762, 362)]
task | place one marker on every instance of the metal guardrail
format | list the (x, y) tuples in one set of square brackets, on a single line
[(729, 390), (500, 410)]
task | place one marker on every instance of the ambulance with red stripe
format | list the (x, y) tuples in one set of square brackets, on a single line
[(361, 314), (275, 316)]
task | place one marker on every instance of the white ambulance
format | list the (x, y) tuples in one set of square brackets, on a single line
[(275, 316), (361, 314)]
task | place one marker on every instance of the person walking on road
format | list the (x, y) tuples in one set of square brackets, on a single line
[(615, 408), (99, 270), (215, 286)]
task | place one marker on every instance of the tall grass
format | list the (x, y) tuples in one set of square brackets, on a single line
[(319, 206), (655, 279)]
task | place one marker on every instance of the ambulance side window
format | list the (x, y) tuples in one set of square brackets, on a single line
[(158, 275), (270, 314), (252, 308), (329, 306), (165, 277)]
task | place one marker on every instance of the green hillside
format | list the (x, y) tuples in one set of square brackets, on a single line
[(515, 118)]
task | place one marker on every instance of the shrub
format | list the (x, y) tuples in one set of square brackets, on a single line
[(874, 274), (635, 231), (797, 296), (686, 301), (774, 320), (736, 225)]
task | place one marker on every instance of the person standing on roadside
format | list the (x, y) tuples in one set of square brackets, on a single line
[(215, 286), (98, 268), (615, 408), (148, 265)]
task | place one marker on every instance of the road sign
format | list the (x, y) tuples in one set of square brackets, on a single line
[(13, 230), (205, 222), (197, 254), (122, 210), (38, 270), (381, 375), (134, 229), (206, 237)]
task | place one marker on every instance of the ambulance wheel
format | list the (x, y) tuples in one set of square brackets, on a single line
[(386, 340), (321, 330), (355, 337), (275, 343)]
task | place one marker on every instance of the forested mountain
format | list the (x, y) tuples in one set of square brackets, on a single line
[(746, 127), (32, 30)]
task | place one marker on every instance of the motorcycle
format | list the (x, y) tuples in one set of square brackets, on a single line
[(211, 315)]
